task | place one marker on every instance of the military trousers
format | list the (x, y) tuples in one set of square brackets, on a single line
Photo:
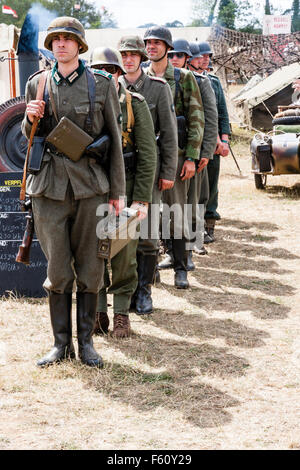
[(175, 207), (149, 230), (196, 228), (66, 231), (213, 169), (124, 278)]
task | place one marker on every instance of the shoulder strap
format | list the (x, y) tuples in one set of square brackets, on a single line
[(178, 88), (39, 96), (130, 120), (92, 97)]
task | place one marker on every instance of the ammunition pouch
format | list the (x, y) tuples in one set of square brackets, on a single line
[(99, 149), (130, 163), (182, 132), (36, 155), (69, 139)]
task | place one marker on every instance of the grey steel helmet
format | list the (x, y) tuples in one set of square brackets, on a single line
[(204, 48), (159, 32), (195, 52), (106, 56), (133, 44), (69, 25), (182, 45)]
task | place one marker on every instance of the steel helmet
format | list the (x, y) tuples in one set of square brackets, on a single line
[(195, 52), (106, 56), (159, 32), (66, 24), (204, 48), (182, 45), (133, 44)]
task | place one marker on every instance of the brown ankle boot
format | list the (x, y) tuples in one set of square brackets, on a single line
[(101, 324), (121, 326)]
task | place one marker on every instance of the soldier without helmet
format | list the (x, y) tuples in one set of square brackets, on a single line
[(159, 98), (66, 193)]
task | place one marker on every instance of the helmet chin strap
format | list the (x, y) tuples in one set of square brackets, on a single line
[(158, 60)]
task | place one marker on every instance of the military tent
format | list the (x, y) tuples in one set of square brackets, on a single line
[(257, 105)]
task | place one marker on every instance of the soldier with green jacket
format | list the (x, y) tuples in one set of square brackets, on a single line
[(222, 149), (66, 193), (180, 57), (159, 98), (189, 109), (139, 152)]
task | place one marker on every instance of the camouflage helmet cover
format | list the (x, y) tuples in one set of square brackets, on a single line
[(133, 44), (159, 32), (69, 25), (106, 56)]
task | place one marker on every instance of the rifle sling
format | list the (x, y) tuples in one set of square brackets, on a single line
[(39, 96)]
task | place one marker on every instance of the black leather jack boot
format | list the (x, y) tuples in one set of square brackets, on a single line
[(61, 320), (86, 315), (180, 263), (146, 272)]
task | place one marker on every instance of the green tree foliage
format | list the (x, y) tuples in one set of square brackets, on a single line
[(267, 8), (227, 13), (296, 16), (89, 16)]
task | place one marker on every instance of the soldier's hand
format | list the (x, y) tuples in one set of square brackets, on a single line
[(202, 164), (141, 207), (225, 149), (188, 170), (165, 184), (117, 205), (35, 109)]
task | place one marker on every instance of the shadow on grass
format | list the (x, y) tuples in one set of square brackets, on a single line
[(280, 192), (198, 325), (177, 386)]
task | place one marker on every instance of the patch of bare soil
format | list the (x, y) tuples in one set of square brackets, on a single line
[(215, 367)]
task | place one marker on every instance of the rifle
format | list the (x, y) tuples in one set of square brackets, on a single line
[(24, 249), (23, 255)]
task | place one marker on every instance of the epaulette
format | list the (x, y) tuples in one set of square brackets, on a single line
[(158, 79), (102, 73), (138, 96), (36, 73)]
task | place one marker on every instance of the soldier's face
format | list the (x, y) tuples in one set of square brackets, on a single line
[(156, 49), (65, 48), (203, 61), (131, 61), (177, 59), (195, 63)]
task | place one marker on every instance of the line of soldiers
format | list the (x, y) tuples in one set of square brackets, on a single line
[(166, 130)]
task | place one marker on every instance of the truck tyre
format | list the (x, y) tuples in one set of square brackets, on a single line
[(286, 120), (260, 181), (13, 144)]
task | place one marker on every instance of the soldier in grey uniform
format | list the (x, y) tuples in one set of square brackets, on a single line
[(139, 151), (189, 112), (65, 194), (159, 98)]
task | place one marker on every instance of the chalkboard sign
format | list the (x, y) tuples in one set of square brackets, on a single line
[(16, 277)]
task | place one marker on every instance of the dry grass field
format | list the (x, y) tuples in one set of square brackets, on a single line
[(215, 367)]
